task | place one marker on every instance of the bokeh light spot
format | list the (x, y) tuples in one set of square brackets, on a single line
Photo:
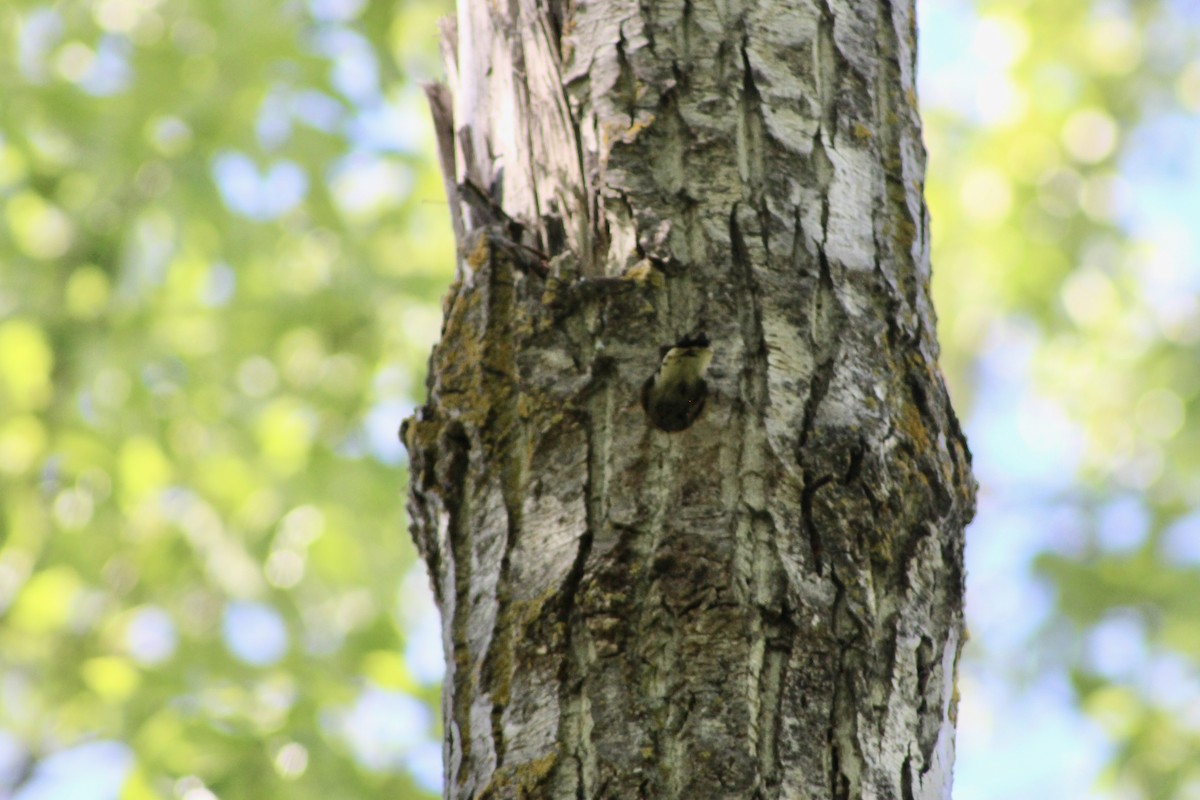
[(150, 636), (254, 633), (1090, 135), (986, 196), (1160, 413), (291, 761)]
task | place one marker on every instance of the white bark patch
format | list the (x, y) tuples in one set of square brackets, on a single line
[(938, 783), (549, 541), (843, 405), (791, 129), (530, 722), (787, 105), (854, 37), (786, 24), (481, 751), (849, 241), (790, 365), (485, 563)]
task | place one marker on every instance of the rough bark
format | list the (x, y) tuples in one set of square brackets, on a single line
[(769, 603)]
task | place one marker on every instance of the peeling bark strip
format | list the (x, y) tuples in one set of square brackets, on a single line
[(768, 603)]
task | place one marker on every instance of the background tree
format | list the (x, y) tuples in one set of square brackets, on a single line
[(767, 603)]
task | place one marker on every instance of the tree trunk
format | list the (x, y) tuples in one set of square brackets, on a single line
[(767, 603)]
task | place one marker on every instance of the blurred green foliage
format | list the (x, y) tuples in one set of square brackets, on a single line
[(222, 242), (1059, 239)]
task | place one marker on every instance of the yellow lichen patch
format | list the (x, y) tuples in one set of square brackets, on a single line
[(567, 39), (645, 273), (550, 297), (904, 231), (882, 549), (525, 407), (498, 667), (631, 133), (524, 780), (862, 132), (532, 773), (913, 427), (906, 234), (606, 135), (419, 435), (480, 255)]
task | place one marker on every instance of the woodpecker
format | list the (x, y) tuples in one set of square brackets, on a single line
[(674, 396)]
